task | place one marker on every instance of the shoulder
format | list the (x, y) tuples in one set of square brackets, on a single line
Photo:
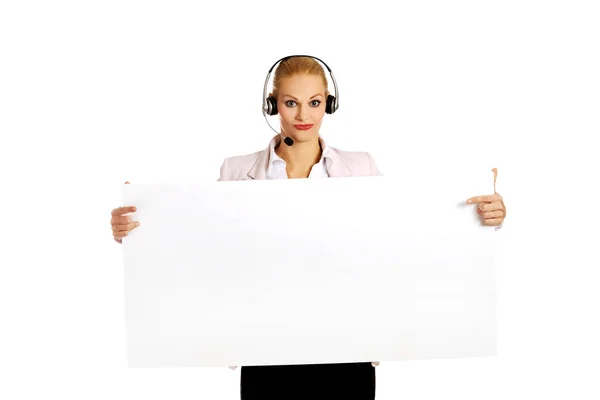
[(352, 158), (237, 167), (359, 162), (241, 161)]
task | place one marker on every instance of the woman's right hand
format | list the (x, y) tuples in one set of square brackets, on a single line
[(122, 224)]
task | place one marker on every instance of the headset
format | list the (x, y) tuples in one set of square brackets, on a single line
[(270, 102)]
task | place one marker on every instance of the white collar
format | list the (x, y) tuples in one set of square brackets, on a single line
[(274, 158)]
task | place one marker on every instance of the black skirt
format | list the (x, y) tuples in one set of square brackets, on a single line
[(315, 382)]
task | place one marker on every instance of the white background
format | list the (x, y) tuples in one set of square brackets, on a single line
[(96, 93)]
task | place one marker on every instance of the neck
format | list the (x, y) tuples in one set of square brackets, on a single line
[(301, 155)]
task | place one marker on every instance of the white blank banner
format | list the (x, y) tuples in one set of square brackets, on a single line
[(309, 271)]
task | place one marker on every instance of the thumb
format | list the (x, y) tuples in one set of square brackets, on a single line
[(495, 171), (127, 183)]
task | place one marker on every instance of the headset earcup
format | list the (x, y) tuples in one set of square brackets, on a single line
[(272, 105), (330, 107)]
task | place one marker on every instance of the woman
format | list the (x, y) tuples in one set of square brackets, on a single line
[(301, 98)]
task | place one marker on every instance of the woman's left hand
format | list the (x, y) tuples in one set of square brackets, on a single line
[(491, 208)]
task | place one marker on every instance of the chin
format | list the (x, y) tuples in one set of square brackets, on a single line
[(305, 136)]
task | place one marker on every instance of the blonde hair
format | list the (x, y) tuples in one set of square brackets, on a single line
[(297, 66)]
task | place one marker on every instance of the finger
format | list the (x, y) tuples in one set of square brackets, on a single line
[(497, 205), (493, 214), (127, 182), (123, 210), (483, 199), (127, 227), (120, 234), (122, 220), (493, 222), (123, 232)]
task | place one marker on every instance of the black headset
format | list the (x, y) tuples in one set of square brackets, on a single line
[(270, 102)]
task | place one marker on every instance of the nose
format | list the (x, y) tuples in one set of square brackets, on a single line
[(301, 116)]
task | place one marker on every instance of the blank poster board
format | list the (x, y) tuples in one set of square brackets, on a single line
[(309, 271)]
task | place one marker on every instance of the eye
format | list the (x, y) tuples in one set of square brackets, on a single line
[(290, 103), (317, 103)]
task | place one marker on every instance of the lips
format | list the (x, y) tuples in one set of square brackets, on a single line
[(303, 127)]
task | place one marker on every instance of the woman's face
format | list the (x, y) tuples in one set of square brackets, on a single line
[(301, 104)]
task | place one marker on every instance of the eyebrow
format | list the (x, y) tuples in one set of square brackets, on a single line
[(287, 95)]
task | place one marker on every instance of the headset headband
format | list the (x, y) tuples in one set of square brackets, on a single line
[(285, 58)]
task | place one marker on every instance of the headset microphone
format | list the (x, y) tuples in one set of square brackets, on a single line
[(286, 139)]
